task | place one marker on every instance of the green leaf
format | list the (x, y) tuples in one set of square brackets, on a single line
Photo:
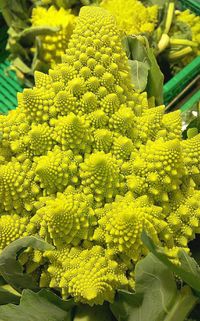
[(65, 3), (37, 62), (156, 297), (17, 51), (145, 71), (159, 3), (27, 37), (125, 46), (181, 30), (96, 313), (185, 302), (15, 11), (10, 268), (136, 47), (188, 270), (139, 74), (155, 79), (138, 61), (41, 306), (155, 293), (191, 132), (8, 295), (192, 123), (19, 64)]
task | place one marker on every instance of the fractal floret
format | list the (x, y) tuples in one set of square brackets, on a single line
[(87, 164), (53, 45), (12, 227), (132, 16)]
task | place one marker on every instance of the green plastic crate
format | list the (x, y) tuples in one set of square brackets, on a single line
[(174, 86), (191, 102), (190, 111), (9, 85), (193, 5)]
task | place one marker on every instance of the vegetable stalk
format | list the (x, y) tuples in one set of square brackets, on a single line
[(163, 43), (169, 18), (184, 304), (183, 42), (173, 55)]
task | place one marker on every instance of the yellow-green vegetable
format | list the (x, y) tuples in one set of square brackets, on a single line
[(169, 18), (187, 47), (194, 23), (12, 227), (132, 16), (90, 164), (53, 46)]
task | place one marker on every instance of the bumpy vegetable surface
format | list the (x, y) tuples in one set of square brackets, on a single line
[(38, 37), (132, 16), (88, 165), (53, 46)]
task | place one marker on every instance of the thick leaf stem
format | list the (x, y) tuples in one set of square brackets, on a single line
[(184, 304), (163, 43), (183, 42), (174, 55), (6, 14), (169, 19)]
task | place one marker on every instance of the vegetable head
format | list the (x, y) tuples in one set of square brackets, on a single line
[(90, 165), (132, 16), (54, 45)]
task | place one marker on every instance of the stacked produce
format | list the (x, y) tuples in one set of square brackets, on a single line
[(173, 34), (87, 165), (188, 25), (53, 46), (180, 42), (132, 16), (40, 45)]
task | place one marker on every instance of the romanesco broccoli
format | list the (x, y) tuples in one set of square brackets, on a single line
[(132, 16), (53, 46), (87, 164)]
